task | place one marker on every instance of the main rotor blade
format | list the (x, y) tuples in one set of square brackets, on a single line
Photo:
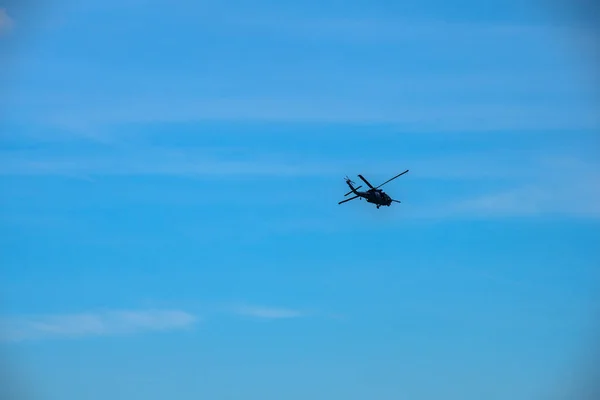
[(365, 181), (350, 192), (397, 201), (351, 198), (400, 174)]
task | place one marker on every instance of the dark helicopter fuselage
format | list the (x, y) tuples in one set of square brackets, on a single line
[(376, 196)]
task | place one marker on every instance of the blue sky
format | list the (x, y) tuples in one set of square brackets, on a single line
[(171, 172)]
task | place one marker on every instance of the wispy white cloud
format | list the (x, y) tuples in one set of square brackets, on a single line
[(106, 323), (579, 200), (6, 22), (22, 328), (551, 186)]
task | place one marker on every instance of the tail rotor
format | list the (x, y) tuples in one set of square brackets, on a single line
[(351, 184)]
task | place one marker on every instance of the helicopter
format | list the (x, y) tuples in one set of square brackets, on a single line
[(373, 195)]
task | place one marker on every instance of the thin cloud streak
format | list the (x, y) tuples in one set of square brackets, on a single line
[(383, 29), (557, 186), (425, 118), (6, 22), (107, 323), (578, 200), (22, 328), (142, 160), (266, 312), (155, 164), (298, 95)]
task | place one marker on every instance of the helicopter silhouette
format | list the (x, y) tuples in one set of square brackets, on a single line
[(373, 195)]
